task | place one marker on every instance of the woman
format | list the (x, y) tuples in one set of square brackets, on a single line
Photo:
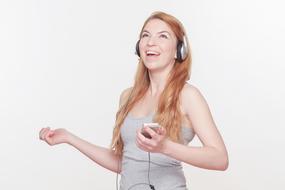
[(160, 94)]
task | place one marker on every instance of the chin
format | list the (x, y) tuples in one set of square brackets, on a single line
[(151, 65)]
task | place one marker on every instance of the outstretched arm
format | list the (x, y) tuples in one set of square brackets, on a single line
[(103, 156)]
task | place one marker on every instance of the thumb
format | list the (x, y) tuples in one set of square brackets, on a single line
[(51, 134), (162, 131)]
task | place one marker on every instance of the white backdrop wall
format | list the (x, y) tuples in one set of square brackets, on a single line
[(65, 63)]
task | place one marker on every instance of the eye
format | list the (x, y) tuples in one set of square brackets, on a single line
[(144, 35), (164, 36)]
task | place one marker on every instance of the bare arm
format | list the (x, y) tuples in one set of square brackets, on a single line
[(105, 157), (204, 157), (213, 154), (102, 156)]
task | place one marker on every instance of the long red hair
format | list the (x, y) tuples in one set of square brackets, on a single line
[(168, 112)]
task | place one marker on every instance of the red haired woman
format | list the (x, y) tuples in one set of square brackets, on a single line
[(160, 94)]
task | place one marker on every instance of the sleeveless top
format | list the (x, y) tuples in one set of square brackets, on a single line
[(165, 173)]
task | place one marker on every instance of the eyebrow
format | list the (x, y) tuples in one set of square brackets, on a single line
[(164, 31)]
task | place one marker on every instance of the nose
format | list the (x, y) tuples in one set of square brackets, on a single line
[(151, 41)]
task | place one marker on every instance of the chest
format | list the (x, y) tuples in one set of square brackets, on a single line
[(148, 105)]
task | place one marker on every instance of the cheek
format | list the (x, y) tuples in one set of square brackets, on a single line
[(142, 45), (170, 50)]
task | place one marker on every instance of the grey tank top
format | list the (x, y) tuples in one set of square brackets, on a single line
[(165, 173)]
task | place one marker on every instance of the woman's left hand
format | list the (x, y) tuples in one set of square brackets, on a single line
[(154, 144)]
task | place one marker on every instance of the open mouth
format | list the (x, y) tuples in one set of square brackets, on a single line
[(152, 53)]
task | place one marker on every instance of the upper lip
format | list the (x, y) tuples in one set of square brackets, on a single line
[(152, 52)]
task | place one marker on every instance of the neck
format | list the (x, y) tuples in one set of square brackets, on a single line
[(158, 80)]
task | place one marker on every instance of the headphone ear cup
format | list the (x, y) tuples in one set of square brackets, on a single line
[(138, 48), (179, 51)]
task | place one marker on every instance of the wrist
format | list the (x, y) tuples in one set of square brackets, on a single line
[(70, 139), (167, 147)]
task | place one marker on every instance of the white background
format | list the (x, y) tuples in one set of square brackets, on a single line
[(65, 63)]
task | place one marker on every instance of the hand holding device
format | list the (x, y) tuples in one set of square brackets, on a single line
[(153, 126)]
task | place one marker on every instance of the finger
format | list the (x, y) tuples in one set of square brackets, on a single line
[(162, 131), (47, 132), (143, 146), (40, 133), (47, 135), (146, 142), (140, 135), (49, 140), (43, 132), (151, 132), (149, 143), (139, 145), (51, 133), (142, 138)]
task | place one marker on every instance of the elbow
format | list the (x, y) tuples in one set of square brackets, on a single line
[(224, 166), (220, 160), (224, 163)]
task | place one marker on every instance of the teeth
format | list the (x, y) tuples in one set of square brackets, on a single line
[(151, 53)]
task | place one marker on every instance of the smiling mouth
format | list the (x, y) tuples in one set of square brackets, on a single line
[(152, 53)]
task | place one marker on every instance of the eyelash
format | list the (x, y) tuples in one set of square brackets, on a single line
[(162, 35), (144, 35)]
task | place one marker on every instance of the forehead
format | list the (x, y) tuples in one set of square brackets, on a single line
[(157, 25)]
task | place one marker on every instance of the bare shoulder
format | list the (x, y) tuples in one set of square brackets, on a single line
[(190, 89), (124, 95), (190, 92), (191, 98)]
